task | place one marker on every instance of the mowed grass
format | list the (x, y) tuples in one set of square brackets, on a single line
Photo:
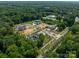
[(28, 22)]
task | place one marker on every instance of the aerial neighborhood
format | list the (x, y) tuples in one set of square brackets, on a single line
[(39, 29), (37, 26)]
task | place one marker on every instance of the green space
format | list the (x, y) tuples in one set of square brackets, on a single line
[(29, 22), (51, 22)]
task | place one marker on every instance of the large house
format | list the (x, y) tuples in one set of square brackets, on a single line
[(51, 17), (76, 19), (52, 27), (36, 22)]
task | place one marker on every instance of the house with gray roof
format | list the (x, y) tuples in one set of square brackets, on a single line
[(36, 22)]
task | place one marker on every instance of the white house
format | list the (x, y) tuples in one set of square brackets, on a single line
[(76, 19), (52, 26), (51, 17)]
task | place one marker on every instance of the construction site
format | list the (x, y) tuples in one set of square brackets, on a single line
[(32, 31)]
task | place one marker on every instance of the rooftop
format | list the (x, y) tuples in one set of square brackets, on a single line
[(51, 16)]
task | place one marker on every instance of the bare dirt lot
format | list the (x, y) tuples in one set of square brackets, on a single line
[(31, 29)]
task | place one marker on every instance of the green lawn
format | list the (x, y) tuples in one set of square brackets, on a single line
[(29, 22), (51, 22)]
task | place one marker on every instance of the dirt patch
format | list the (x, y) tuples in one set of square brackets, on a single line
[(31, 29), (27, 31), (42, 26)]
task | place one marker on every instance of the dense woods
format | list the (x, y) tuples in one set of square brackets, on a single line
[(12, 13)]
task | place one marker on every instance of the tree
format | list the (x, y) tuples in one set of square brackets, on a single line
[(31, 53), (70, 55), (41, 40), (13, 51), (69, 21), (2, 55), (52, 55)]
